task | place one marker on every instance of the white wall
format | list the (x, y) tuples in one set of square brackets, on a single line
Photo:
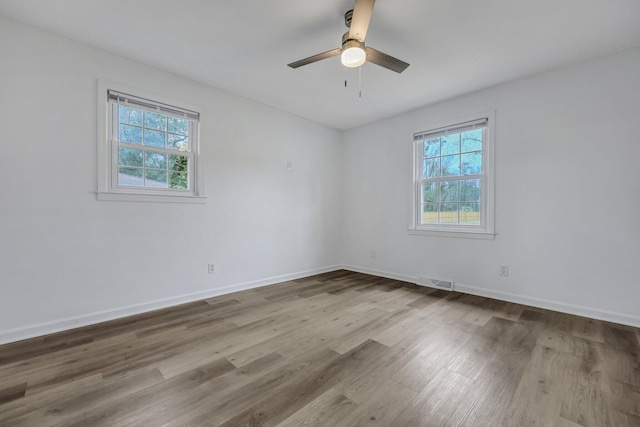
[(66, 257), (567, 193)]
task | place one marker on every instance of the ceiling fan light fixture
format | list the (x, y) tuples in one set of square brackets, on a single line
[(353, 54)]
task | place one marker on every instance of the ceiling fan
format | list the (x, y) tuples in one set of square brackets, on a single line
[(353, 51)]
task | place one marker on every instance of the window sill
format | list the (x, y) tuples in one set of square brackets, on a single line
[(461, 234), (149, 198)]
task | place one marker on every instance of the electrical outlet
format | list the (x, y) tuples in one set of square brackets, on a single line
[(504, 270), (212, 268)]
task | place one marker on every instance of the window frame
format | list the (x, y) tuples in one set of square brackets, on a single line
[(107, 167), (486, 229)]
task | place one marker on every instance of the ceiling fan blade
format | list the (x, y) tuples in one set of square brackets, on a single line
[(315, 58), (384, 60), (360, 21)]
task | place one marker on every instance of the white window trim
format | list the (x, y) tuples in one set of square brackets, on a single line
[(487, 231), (108, 192)]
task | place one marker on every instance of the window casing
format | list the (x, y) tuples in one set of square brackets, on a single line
[(149, 150), (453, 180)]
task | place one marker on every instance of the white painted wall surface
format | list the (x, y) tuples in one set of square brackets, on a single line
[(66, 257), (567, 193)]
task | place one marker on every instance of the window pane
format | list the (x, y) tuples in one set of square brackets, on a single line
[(470, 214), (431, 168), (155, 178), (432, 147), (451, 165), (130, 177), (178, 163), (155, 121), (179, 180), (129, 157), (430, 192), (451, 144), (177, 125), (154, 138), (430, 213), (129, 134), (129, 115), (471, 163), (177, 142), (155, 160), (470, 190), (449, 213), (472, 140), (448, 191)]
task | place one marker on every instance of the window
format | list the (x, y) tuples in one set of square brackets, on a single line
[(454, 180), (150, 150)]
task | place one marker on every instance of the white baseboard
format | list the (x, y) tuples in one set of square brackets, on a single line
[(59, 325), (577, 310), (379, 273), (32, 331)]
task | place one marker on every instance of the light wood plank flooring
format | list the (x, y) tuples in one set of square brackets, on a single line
[(338, 349)]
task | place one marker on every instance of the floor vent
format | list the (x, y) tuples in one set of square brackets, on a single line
[(446, 285)]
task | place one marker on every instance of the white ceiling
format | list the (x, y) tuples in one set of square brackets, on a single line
[(243, 46)]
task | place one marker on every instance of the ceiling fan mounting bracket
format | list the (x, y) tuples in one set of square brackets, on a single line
[(348, 16)]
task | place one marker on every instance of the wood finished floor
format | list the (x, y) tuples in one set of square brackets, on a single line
[(338, 349)]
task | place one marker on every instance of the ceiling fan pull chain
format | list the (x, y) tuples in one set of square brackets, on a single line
[(359, 82), (346, 77)]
